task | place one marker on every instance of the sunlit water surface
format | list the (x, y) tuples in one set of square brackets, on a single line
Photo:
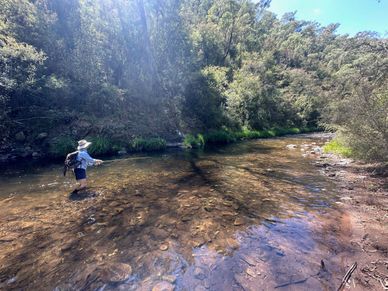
[(249, 216)]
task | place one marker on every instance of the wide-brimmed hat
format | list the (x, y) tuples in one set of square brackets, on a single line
[(83, 144)]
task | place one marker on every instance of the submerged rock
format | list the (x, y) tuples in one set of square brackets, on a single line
[(116, 273), (163, 286)]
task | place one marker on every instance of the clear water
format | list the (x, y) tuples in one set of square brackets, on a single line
[(249, 216)]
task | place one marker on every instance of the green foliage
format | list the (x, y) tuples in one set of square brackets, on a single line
[(335, 146), (148, 145), (61, 146)]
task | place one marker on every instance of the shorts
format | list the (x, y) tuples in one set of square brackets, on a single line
[(80, 174)]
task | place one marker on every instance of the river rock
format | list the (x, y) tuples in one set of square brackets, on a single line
[(163, 247), (41, 135), (20, 136), (163, 286), (238, 221), (116, 273), (122, 152), (317, 150), (291, 146)]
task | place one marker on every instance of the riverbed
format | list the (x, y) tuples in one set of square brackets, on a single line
[(255, 215)]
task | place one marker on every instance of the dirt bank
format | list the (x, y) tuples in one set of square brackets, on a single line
[(363, 203)]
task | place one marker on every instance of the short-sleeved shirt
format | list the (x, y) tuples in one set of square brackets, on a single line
[(85, 159)]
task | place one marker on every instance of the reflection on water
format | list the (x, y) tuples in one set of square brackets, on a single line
[(250, 216)]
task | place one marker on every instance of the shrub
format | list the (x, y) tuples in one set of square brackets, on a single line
[(191, 141), (148, 145), (336, 147), (61, 146)]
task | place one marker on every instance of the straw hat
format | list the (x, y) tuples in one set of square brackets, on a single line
[(83, 144)]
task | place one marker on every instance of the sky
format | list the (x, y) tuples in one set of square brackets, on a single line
[(353, 15)]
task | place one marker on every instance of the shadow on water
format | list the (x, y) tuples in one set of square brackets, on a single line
[(253, 215), (78, 195)]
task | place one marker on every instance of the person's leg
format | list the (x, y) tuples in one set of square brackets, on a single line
[(80, 175), (82, 184)]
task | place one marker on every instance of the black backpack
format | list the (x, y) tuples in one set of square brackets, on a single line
[(71, 162)]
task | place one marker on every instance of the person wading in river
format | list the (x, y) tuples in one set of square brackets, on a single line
[(85, 160)]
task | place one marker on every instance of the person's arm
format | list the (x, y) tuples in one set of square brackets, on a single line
[(89, 160)]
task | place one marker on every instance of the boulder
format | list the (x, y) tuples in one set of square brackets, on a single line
[(122, 152), (35, 155)]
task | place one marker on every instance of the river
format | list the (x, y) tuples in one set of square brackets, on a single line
[(254, 215)]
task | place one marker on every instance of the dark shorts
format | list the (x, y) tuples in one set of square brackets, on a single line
[(80, 174)]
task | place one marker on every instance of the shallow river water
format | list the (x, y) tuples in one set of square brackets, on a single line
[(249, 216)]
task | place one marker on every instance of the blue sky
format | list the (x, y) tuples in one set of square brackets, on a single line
[(353, 15)]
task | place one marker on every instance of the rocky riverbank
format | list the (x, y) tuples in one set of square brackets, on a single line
[(363, 202)]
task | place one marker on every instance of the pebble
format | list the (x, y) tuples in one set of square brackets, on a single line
[(163, 247)]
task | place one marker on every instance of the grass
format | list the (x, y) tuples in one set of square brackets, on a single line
[(148, 145), (336, 147), (100, 146)]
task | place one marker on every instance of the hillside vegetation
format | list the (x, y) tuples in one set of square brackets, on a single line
[(123, 71)]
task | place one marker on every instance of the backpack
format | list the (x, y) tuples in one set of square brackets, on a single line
[(71, 162)]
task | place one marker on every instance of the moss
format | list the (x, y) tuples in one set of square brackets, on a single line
[(335, 146)]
